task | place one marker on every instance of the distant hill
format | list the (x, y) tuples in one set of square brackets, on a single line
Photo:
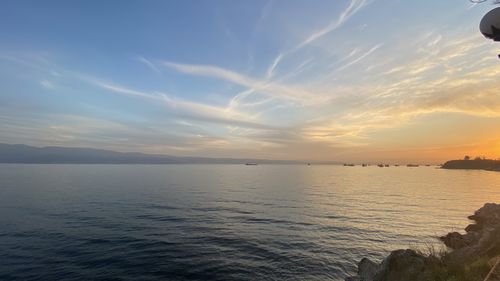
[(19, 153), (477, 164)]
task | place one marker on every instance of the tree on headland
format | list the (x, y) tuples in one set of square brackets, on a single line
[(467, 158)]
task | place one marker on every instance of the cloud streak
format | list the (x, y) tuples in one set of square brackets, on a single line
[(149, 64), (187, 109), (353, 7), (270, 70), (360, 58), (266, 87)]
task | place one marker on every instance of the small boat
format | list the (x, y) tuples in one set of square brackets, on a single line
[(412, 165), (251, 164)]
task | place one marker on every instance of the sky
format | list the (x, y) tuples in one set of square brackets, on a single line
[(316, 80)]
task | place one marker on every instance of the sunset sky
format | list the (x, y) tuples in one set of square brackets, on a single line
[(359, 80)]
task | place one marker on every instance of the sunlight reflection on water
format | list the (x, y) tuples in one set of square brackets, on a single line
[(223, 222)]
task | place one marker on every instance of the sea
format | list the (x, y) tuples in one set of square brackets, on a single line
[(224, 222)]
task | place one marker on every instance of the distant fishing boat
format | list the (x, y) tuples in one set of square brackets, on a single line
[(251, 164)]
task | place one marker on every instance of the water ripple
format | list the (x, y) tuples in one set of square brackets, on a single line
[(222, 222)]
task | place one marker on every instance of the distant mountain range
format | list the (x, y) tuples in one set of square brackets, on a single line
[(19, 153)]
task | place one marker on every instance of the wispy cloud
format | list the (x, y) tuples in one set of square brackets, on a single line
[(257, 30), (47, 84), (269, 88), (188, 109), (149, 64), (272, 67), (124, 91), (360, 58), (352, 9)]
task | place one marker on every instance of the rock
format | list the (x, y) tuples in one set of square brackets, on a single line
[(473, 227), (489, 214), (482, 241), (454, 240), (401, 265), (367, 269)]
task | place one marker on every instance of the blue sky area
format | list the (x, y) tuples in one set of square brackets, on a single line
[(284, 79)]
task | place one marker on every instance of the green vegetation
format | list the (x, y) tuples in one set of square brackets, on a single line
[(470, 256), (461, 266), (440, 269)]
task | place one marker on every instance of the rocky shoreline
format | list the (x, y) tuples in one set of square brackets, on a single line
[(470, 256)]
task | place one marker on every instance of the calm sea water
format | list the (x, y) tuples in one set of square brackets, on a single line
[(223, 222)]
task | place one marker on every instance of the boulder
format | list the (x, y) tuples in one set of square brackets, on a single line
[(489, 214), (367, 269), (401, 265), (454, 240), (473, 227), (481, 241)]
